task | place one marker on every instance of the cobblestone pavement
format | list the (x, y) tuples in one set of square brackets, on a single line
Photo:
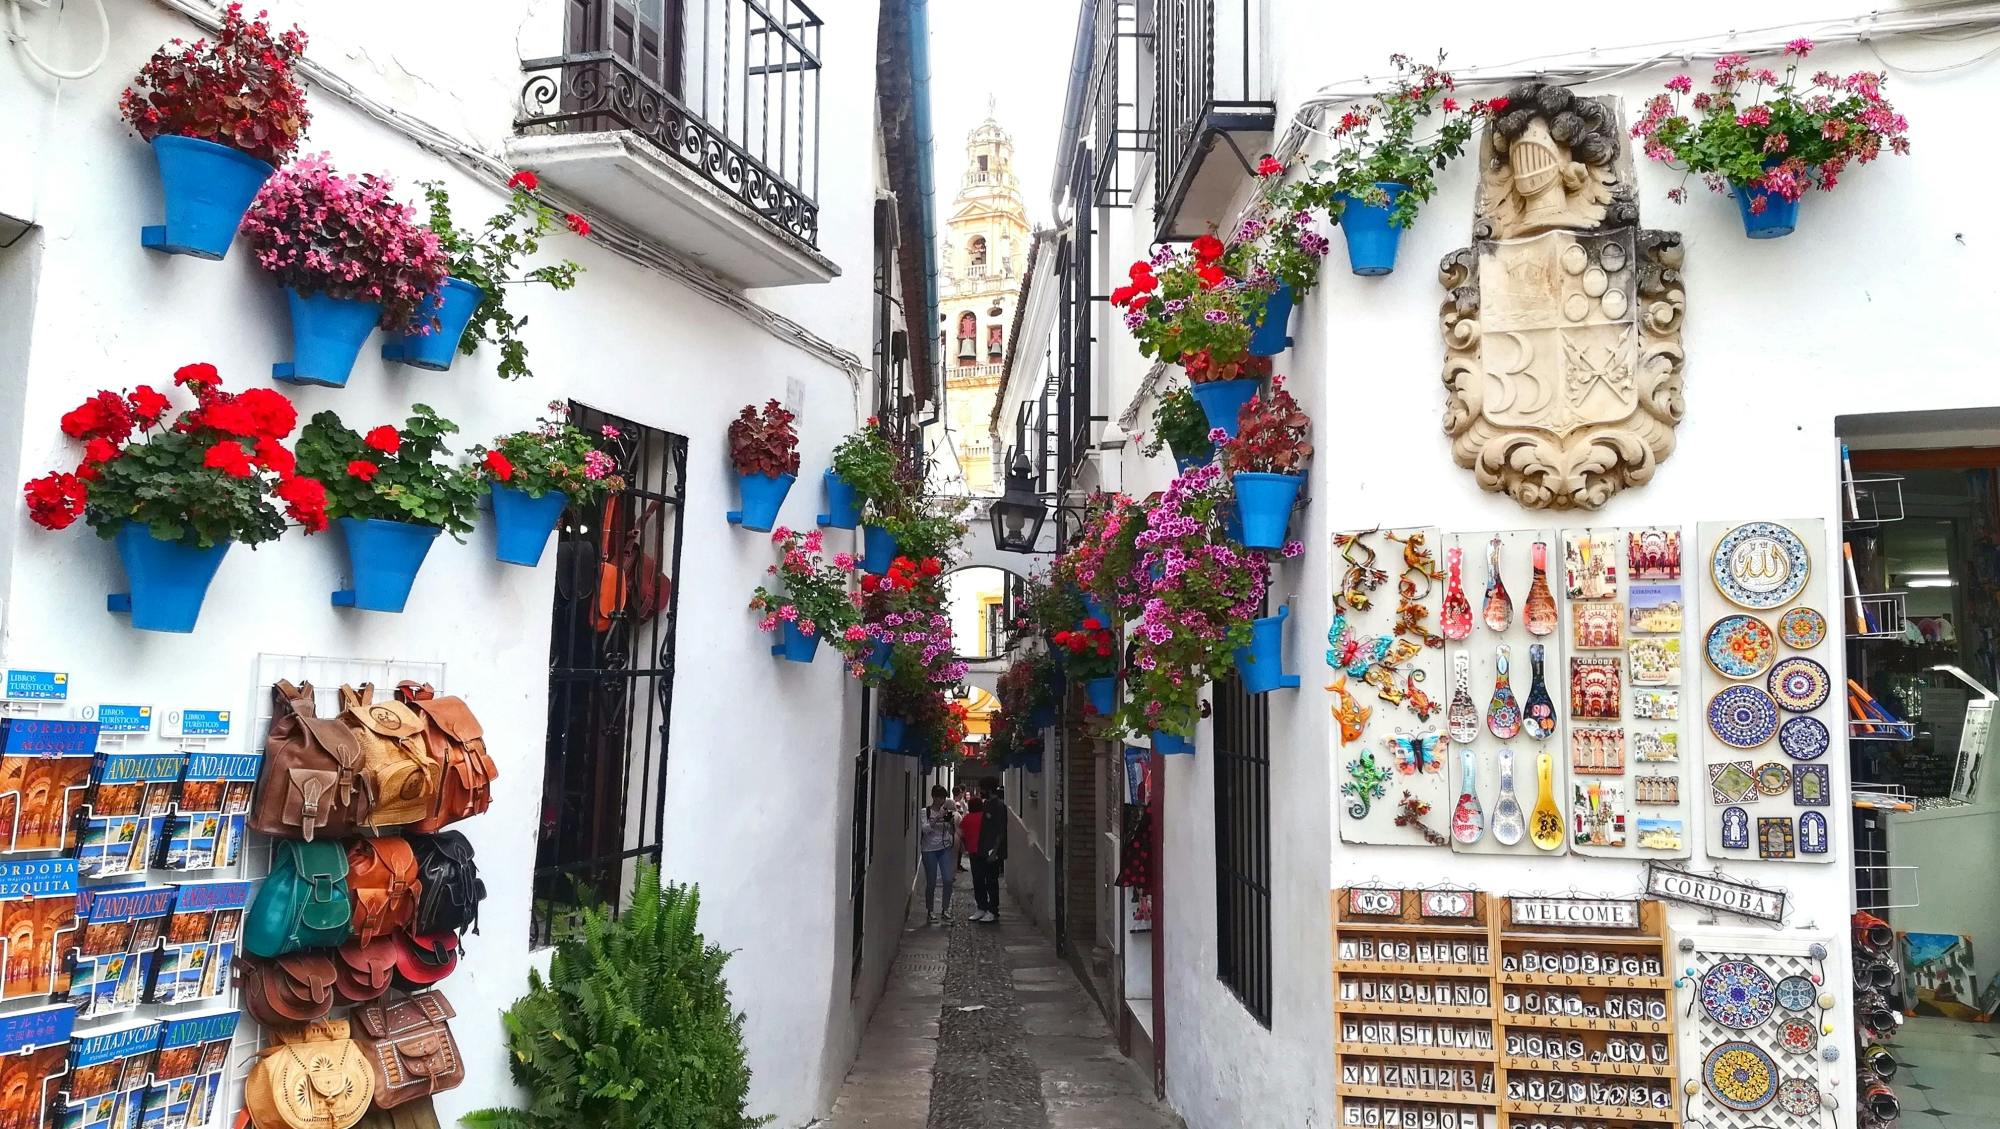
[(1003, 1037)]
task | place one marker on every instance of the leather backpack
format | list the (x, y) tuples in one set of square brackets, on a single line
[(311, 784), (382, 883), (458, 743), (409, 1046), (311, 1077), (394, 757), (303, 902), (422, 961), (409, 1115), (295, 988), (363, 972), (452, 890)]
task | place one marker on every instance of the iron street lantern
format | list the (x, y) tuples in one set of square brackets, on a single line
[(1019, 513)]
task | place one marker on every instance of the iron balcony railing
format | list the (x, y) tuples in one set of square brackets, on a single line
[(730, 88), (1209, 80)]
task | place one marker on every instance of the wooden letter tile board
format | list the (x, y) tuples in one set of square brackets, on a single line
[(1446, 1016)]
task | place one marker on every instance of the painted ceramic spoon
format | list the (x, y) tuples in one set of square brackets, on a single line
[(1547, 827), (1499, 605), (1503, 717), (1539, 613), (1468, 822), (1538, 720), (1456, 618), (1507, 813), (1462, 717)]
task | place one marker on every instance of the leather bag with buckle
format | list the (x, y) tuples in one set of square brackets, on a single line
[(458, 743), (423, 960), (311, 785), (311, 1077), (294, 988), (410, 1047), (382, 882), (303, 902), (394, 757), (363, 972), (452, 890)]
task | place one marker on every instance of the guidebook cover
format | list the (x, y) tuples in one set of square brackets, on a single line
[(34, 1049), (200, 943), (37, 922), (206, 831), (188, 1071), (121, 938), (107, 1076), (130, 796), (44, 775)]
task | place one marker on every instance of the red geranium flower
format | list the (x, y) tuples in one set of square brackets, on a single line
[(147, 405), (1092, 623), (500, 466), (230, 458), (1270, 166), (1211, 275), (930, 567), (1123, 295), (272, 456), (577, 223), (363, 470), (196, 374), (524, 179), (385, 439), (1497, 106), (305, 502), (271, 414), (100, 451), (1207, 248), (229, 415), (55, 501), (870, 582)]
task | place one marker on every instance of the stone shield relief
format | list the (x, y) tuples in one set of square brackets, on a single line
[(1562, 323)]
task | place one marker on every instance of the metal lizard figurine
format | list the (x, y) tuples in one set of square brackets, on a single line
[(1369, 782), (1413, 587), (1362, 576)]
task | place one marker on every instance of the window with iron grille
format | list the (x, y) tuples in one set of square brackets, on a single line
[(861, 847), (611, 679), (1243, 845)]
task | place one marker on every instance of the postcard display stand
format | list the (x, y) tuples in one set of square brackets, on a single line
[(1769, 704), (1757, 1031)]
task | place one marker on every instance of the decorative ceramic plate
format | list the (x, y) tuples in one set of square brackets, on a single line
[(1804, 738), (1738, 994), (1743, 716), (1797, 993), (1740, 646), (1760, 565), (1800, 685), (1802, 629), (1740, 1076), (1774, 779), (1798, 1096), (1797, 1036)]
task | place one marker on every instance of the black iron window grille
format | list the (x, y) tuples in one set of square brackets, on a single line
[(1122, 102), (1243, 845), (730, 88), (1209, 90), (611, 679), (861, 847), (1075, 339)]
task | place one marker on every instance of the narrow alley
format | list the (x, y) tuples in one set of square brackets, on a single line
[(982, 1027)]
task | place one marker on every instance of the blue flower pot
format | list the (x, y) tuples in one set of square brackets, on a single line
[(1371, 238), (795, 645), (521, 524), (889, 737), (878, 549), (879, 654), (1102, 694), (843, 504), (1169, 744), (1232, 520), (1780, 217), (327, 335), (1261, 665), (1094, 609), (168, 579), (452, 307), (207, 188), (1265, 503), (1273, 333), (1042, 717), (1201, 458), (762, 496), (1221, 400), (1031, 763), (382, 558)]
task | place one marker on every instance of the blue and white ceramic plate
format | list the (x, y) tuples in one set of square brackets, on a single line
[(1804, 738), (1797, 993), (1743, 716), (1760, 565), (1799, 684)]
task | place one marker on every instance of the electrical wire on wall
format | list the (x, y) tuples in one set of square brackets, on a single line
[(18, 36)]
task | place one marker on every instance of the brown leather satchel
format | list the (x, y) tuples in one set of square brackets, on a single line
[(311, 783), (294, 988), (394, 757), (311, 1077), (383, 886), (456, 741), (361, 973), (410, 1047)]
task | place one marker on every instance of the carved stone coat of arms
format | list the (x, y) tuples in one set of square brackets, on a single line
[(1562, 326)]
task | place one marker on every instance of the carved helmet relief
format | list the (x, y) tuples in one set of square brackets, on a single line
[(1562, 321)]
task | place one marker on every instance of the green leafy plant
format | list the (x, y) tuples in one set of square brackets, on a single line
[(391, 475), (557, 455), (632, 1028), (490, 259), (867, 461), (1179, 424), (813, 592)]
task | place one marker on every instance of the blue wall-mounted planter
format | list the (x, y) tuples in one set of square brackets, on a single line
[(453, 307), (382, 562), (889, 736), (1273, 333), (207, 188), (763, 496), (843, 503), (879, 654), (1264, 503), (1232, 520), (1168, 744), (1261, 665), (169, 580), (1043, 717), (1030, 763), (1779, 217), (1371, 239), (1093, 608), (1221, 400), (327, 335), (521, 524), (878, 549), (1102, 694), (794, 645), (1201, 458)]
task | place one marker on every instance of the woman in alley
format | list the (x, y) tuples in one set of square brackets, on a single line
[(937, 839)]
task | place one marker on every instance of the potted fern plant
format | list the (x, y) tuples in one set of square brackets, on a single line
[(764, 449)]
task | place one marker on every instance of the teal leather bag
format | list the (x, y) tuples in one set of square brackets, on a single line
[(303, 903)]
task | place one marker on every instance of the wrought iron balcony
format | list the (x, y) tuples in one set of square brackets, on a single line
[(1212, 95)]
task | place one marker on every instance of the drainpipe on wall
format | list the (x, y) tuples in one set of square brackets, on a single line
[(920, 92)]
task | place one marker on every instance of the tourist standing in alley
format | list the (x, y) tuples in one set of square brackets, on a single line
[(989, 856), (936, 838)]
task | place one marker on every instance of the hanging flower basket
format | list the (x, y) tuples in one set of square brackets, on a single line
[(327, 335), (169, 580), (1766, 214), (1261, 665), (1372, 239), (843, 502), (878, 549), (521, 524), (452, 306), (763, 496), (795, 645), (1169, 744), (1043, 717), (382, 558), (207, 188), (1271, 333), (889, 737), (1221, 399), (1102, 694)]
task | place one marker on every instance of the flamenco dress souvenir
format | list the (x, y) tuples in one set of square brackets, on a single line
[(1738, 994), (1499, 605), (1539, 613), (1760, 565), (1462, 717), (1547, 829), (1468, 820), (1799, 685), (1503, 717), (1455, 619), (1507, 824), (1538, 719)]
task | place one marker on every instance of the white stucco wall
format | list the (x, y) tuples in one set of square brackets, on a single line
[(759, 787)]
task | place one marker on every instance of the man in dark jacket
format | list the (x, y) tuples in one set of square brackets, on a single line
[(991, 856)]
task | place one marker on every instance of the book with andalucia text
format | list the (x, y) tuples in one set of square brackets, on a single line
[(44, 774), (188, 1070), (34, 1054), (206, 831), (125, 815), (37, 923), (107, 1076), (121, 939), (200, 942)]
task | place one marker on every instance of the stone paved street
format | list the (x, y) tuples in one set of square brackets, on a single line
[(1033, 1053)]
